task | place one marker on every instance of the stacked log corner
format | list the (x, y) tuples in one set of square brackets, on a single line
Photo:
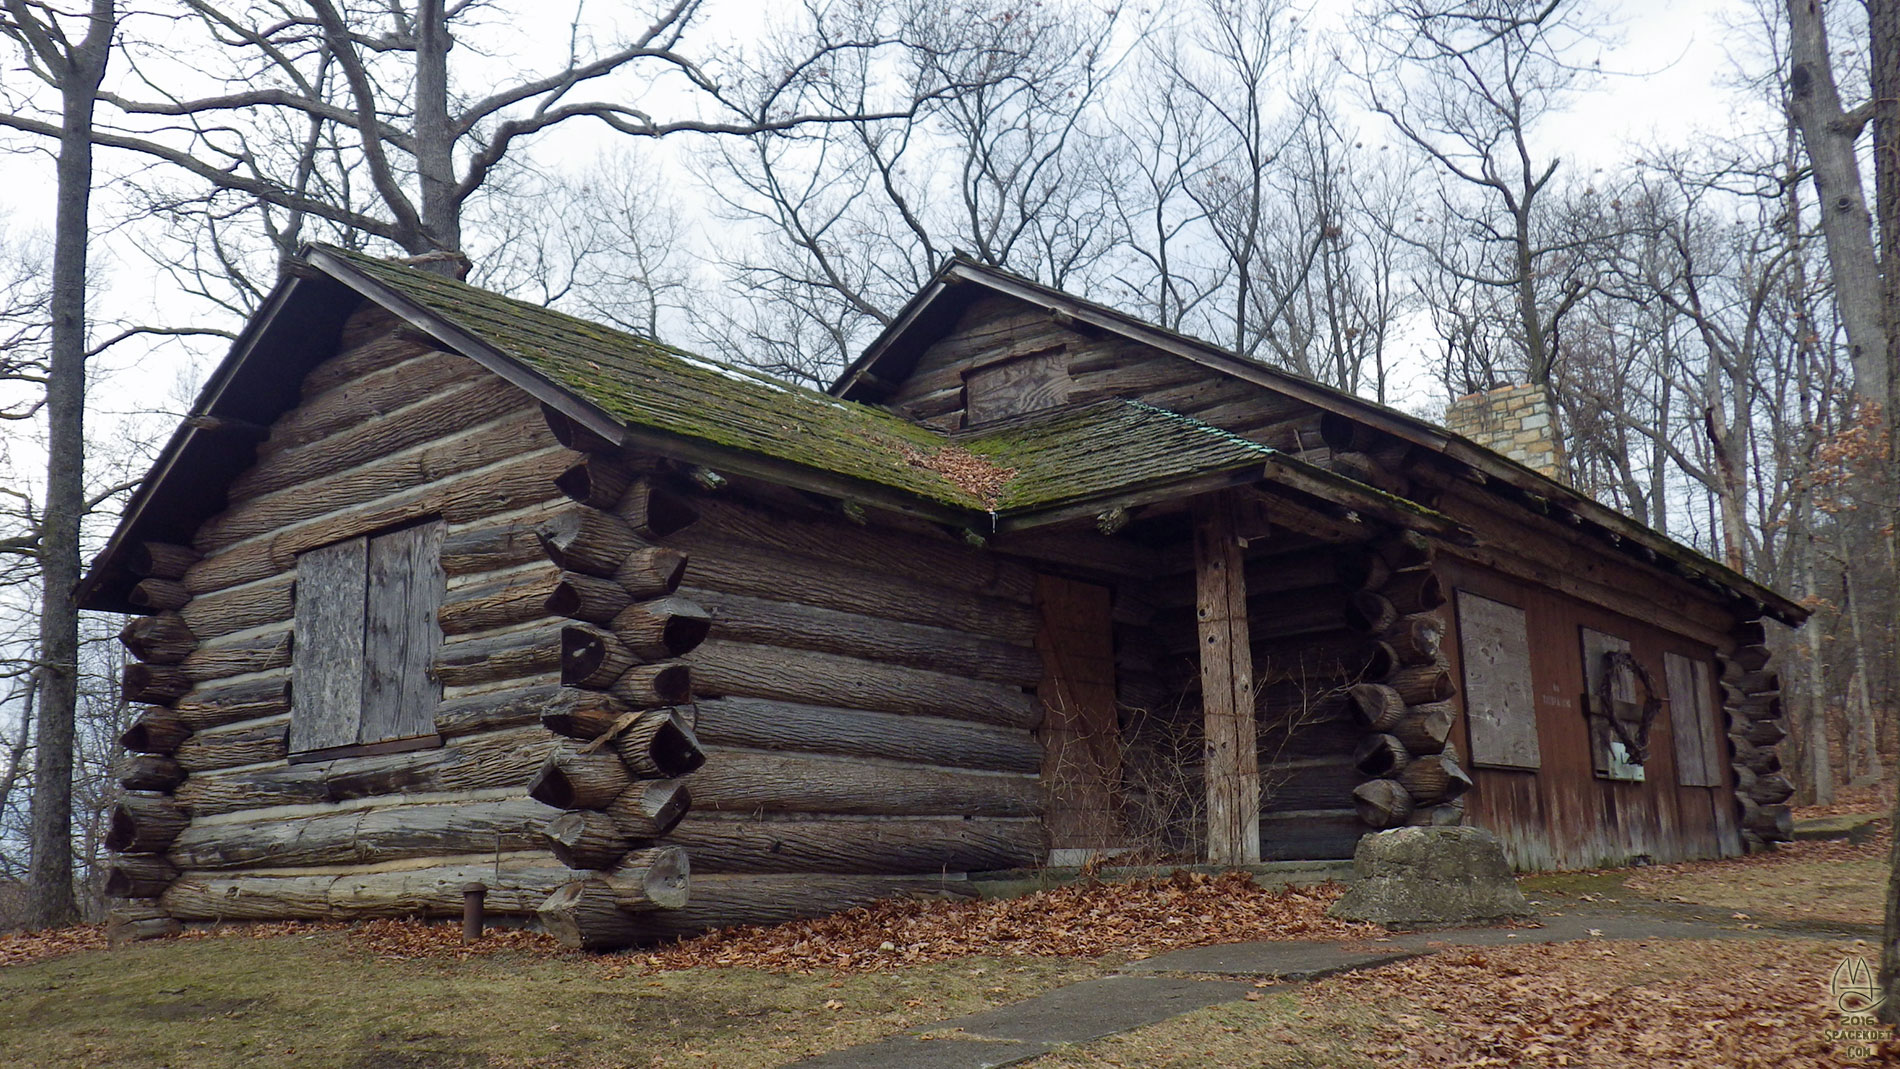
[(1416, 775), (145, 819), (1751, 704), (617, 777)]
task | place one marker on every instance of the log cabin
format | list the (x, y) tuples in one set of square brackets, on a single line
[(439, 594)]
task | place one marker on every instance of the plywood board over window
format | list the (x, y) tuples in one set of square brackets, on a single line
[(1494, 647), (1609, 756), (365, 641), (1692, 721), (1027, 383)]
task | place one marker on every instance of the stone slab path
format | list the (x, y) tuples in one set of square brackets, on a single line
[(1154, 989)]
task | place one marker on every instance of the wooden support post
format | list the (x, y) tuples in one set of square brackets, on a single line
[(1227, 698)]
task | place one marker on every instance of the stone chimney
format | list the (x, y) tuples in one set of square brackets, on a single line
[(1513, 420)]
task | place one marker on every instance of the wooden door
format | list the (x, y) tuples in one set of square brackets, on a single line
[(1081, 738)]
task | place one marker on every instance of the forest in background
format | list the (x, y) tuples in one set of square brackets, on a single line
[(1385, 200)]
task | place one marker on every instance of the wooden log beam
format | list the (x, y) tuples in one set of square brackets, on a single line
[(1232, 769), (656, 877), (1435, 778), (577, 778), (763, 724), (589, 541), (650, 808), (225, 612), (651, 572), (593, 657), (138, 876), (662, 627), (582, 714), (587, 597), (214, 703), (1339, 656), (1417, 639), (222, 658), (495, 656), (515, 886), (890, 846), (143, 824), (1415, 590), (506, 599), (160, 560), (586, 839), (161, 639), (722, 668), (156, 731), (1379, 707), (654, 512), (597, 481), (497, 543), (1425, 729), (605, 912), (158, 684), (362, 836), (1423, 684), (150, 772), (1381, 755), (242, 744), (1382, 803), (132, 922), (738, 781), (159, 595), (658, 745), (649, 685)]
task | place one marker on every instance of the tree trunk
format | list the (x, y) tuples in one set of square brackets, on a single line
[(50, 899)]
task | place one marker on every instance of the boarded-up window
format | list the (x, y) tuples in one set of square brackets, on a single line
[(1027, 383), (1494, 647), (1692, 721), (1609, 755), (366, 639)]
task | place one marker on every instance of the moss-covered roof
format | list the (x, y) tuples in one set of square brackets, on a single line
[(1036, 462)]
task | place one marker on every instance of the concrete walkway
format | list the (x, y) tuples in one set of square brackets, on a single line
[(1155, 989)]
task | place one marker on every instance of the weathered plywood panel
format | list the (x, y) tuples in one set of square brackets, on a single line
[(1691, 722), (1499, 701), (1027, 383), (326, 672), (400, 633)]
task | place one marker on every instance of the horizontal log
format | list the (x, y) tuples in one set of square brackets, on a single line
[(722, 669), (453, 433), (158, 684), (224, 612), (741, 569), (1379, 707), (656, 877), (658, 745), (1770, 789), (646, 686), (1443, 815), (220, 659), (422, 374), (1751, 658), (1423, 684), (587, 597), (133, 921), (497, 709), (363, 836), (161, 639), (1381, 755), (504, 759), (228, 747), (515, 483), (1382, 803), (928, 556), (160, 560), (769, 622), (514, 886), (1323, 657), (1766, 732), (582, 714), (494, 656), (1414, 591), (217, 702), (497, 543), (586, 839), (513, 597), (1774, 823), (662, 627), (1426, 728), (372, 340), (578, 778), (156, 731), (591, 915), (159, 595), (593, 657), (649, 808), (138, 876), (597, 481), (1417, 639), (741, 899), (588, 540), (890, 846), (651, 572), (1763, 760), (740, 781), (1405, 549), (1434, 778), (763, 724), (150, 772), (143, 824)]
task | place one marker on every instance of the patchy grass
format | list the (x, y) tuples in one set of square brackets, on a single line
[(329, 997), (1742, 1003)]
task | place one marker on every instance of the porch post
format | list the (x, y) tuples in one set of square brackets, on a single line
[(1232, 762)]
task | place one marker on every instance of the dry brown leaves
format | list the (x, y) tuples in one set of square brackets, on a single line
[(1805, 851), (1729, 1003), (1088, 920), (22, 948), (1877, 798), (395, 938), (966, 471)]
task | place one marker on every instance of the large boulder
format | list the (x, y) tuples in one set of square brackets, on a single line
[(1431, 878)]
